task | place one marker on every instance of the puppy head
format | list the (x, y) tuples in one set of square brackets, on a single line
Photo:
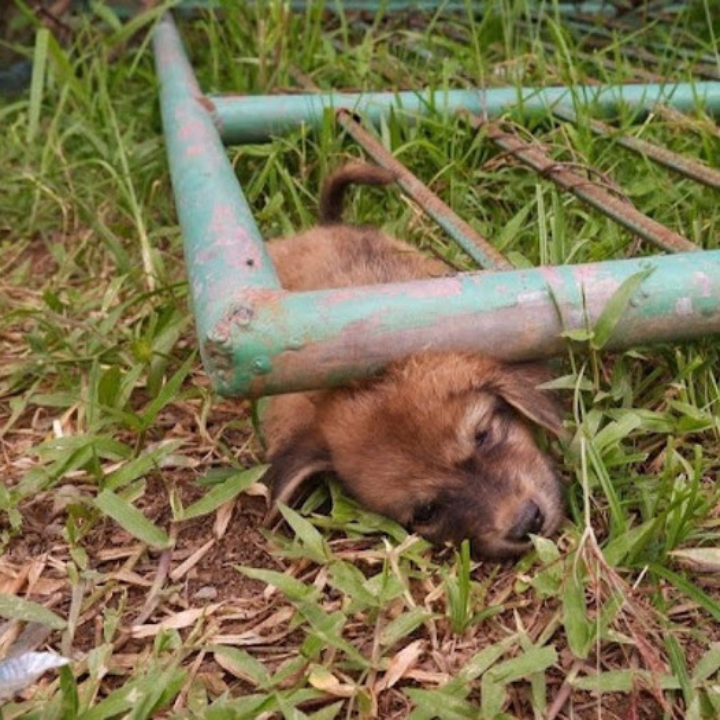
[(442, 443)]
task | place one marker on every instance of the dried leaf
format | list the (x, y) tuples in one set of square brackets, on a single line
[(699, 559), (401, 664), (183, 619), (322, 679), (193, 560)]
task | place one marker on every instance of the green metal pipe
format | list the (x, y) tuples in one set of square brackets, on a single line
[(256, 118), (224, 251), (275, 341)]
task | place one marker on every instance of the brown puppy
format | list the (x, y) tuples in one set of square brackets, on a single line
[(439, 441)]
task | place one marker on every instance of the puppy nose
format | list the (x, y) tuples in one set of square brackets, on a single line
[(529, 520)]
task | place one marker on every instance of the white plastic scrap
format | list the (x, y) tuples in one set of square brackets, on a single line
[(20, 671)]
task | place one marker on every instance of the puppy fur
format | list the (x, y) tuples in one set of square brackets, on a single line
[(442, 442)]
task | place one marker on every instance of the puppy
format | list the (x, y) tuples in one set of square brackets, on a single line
[(441, 442)]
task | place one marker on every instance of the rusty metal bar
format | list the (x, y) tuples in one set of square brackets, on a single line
[(603, 41), (674, 161), (619, 209), (655, 9), (476, 245), (613, 28), (687, 121), (638, 74)]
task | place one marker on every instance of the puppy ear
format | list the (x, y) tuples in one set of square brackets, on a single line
[(298, 460), (518, 385)]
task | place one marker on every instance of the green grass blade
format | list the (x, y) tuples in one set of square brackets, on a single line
[(224, 492), (37, 84), (577, 624), (692, 591), (13, 607), (616, 307), (168, 393), (313, 543), (141, 465), (290, 586), (132, 520)]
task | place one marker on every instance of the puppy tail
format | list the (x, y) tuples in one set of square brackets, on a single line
[(356, 173)]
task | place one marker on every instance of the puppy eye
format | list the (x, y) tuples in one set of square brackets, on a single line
[(425, 514), (481, 438)]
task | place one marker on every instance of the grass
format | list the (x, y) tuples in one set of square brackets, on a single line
[(130, 525)]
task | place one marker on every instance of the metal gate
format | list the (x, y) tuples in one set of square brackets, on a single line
[(257, 338)]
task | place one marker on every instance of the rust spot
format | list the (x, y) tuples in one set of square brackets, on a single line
[(241, 315), (218, 358), (220, 336), (206, 102)]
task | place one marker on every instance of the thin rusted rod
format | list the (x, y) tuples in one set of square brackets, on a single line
[(606, 63), (470, 240), (685, 120), (701, 70), (611, 28), (619, 209), (685, 166)]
